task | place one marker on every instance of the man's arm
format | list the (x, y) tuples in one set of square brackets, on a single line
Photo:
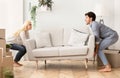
[(96, 31), (96, 48), (96, 51)]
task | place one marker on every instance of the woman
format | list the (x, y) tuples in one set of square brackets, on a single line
[(17, 41), (104, 37)]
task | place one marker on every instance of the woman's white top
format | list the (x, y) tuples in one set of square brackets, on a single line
[(20, 39)]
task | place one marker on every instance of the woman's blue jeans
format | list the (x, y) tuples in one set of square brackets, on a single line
[(21, 51)]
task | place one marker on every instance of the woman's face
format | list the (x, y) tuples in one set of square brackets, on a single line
[(29, 27)]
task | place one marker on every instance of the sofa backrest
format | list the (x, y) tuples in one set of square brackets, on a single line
[(60, 36), (56, 35), (67, 33)]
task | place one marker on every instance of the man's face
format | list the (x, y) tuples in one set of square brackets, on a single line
[(88, 20)]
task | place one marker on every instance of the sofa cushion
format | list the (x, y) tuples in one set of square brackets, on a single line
[(42, 39), (45, 52), (68, 50), (67, 32), (77, 38), (56, 35)]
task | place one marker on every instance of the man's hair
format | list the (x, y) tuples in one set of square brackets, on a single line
[(91, 15)]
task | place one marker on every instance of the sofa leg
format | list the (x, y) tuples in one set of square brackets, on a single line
[(45, 62), (86, 61), (37, 64), (94, 60)]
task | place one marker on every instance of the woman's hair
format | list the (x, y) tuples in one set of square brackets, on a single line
[(26, 23), (91, 15)]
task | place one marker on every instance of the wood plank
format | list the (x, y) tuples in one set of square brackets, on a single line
[(62, 69)]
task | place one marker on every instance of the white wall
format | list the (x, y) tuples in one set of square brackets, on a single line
[(117, 21), (66, 13), (70, 13), (117, 13), (3, 13), (11, 15)]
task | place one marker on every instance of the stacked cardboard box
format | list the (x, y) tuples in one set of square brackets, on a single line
[(2, 33), (2, 40), (6, 59), (1, 52), (1, 62)]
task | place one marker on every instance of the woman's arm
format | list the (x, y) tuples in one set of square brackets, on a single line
[(11, 40), (24, 36)]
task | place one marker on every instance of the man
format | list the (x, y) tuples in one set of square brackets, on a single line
[(104, 37)]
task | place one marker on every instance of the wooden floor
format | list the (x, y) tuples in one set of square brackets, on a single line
[(62, 69)]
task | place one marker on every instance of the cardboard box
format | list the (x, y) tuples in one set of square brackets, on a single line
[(3, 74), (1, 62), (113, 58), (1, 55), (2, 33), (7, 62), (0, 71), (8, 53), (3, 45)]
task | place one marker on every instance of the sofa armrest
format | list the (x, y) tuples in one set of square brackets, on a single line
[(91, 46), (30, 44)]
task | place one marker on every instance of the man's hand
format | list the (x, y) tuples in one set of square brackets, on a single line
[(96, 49)]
